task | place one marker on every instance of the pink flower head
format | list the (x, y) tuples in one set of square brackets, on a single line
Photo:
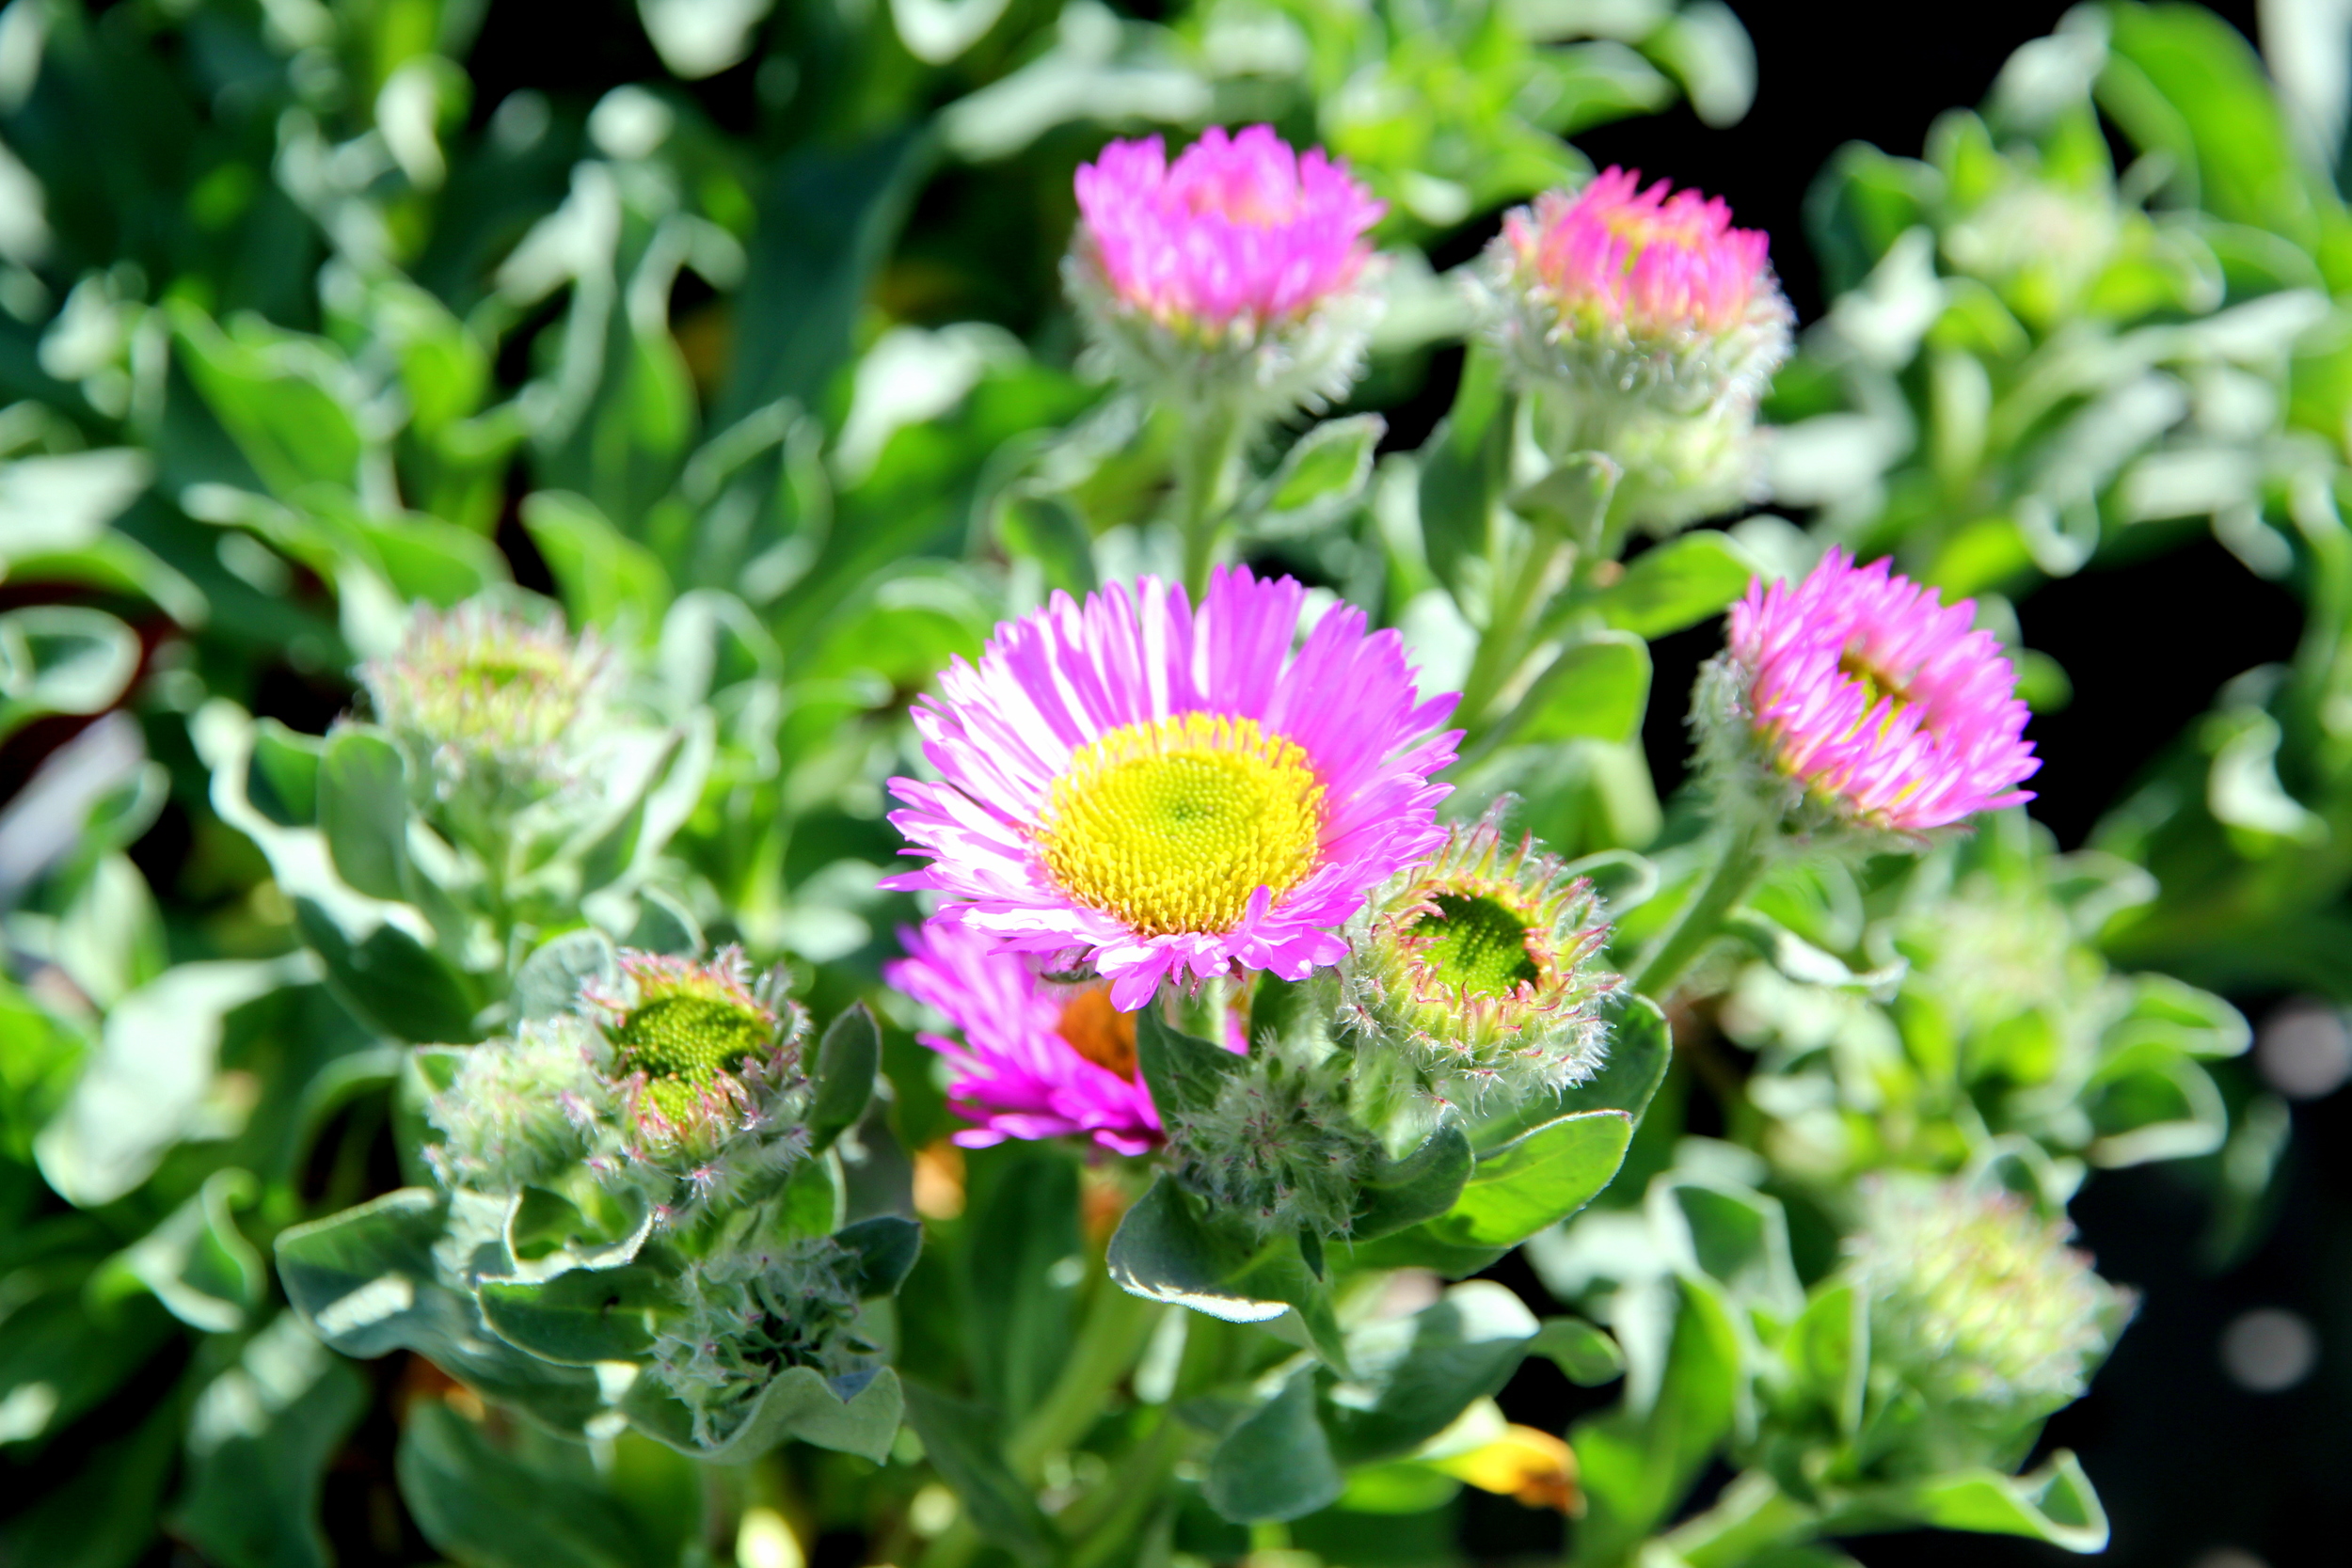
[(1647, 261), (1037, 1060), (1158, 791), (1240, 232), (1881, 701)]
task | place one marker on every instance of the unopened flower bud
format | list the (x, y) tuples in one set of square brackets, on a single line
[(1480, 966), (484, 697), (1650, 328), (1277, 1148), (748, 1314), (707, 1062), (1978, 1304), (516, 1112), (1238, 275)]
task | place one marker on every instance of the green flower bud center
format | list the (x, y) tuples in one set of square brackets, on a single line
[(1476, 944), (680, 1043)]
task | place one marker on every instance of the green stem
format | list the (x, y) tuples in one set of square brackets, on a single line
[(1109, 1340), (1503, 642), (1701, 921), (1754, 1515), (1207, 479), (1105, 1520)]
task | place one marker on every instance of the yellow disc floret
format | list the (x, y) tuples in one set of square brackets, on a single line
[(1172, 824)]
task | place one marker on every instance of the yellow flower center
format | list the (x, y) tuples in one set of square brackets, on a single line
[(1171, 824)]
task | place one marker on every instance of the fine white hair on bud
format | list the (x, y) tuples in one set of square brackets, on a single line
[(1277, 1148), (1976, 1303), (516, 1112), (745, 1314), (1481, 966)]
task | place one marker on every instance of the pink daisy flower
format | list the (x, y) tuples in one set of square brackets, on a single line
[(1157, 791), (1884, 703), (1241, 232), (1037, 1060), (1651, 262)]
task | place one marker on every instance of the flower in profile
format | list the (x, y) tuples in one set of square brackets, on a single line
[(1860, 694), (1978, 1302), (518, 1111), (1038, 1060), (707, 1060), (1479, 966), (484, 694), (1279, 1147), (1242, 264), (1652, 326), (1153, 791)]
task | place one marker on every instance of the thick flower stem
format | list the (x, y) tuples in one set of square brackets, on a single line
[(1111, 1337), (1503, 644), (1207, 480), (1743, 858)]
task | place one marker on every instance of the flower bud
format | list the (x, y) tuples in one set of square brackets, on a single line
[(1977, 1304), (1854, 699), (1479, 966), (1277, 1148), (516, 1112), (487, 699), (707, 1061), (1649, 328), (747, 1314), (1237, 276)]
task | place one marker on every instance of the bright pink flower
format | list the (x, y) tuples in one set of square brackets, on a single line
[(1156, 791), (1037, 1060), (1881, 701), (1650, 263), (1241, 232)]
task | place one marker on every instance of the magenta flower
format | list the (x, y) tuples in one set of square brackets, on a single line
[(1157, 791), (1885, 705), (1239, 234), (1654, 263), (1037, 1060)]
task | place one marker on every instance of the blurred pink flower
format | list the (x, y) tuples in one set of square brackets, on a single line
[(1239, 234), (1037, 1060), (1653, 263), (1882, 702)]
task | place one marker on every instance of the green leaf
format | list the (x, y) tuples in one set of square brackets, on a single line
[(2056, 1503), (1635, 1463), (814, 1200), (1676, 585), (281, 396), (1536, 1179), (966, 1443), (1465, 466), (548, 984), (1410, 1377), (196, 1263), (1598, 689), (847, 1059), (390, 981), (1587, 1355), (1048, 530), (366, 1282), (1828, 1350), (797, 1405), (1165, 1251), (282, 778), (1323, 473), (586, 1225), (1733, 1235), (1420, 1186), (583, 1317), (62, 659), (606, 577), (1574, 496), (100, 1513), (1184, 1074), (1639, 1053), (886, 1246), (1276, 1464), (259, 1439), (482, 1503), (363, 811), (1024, 1269)]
